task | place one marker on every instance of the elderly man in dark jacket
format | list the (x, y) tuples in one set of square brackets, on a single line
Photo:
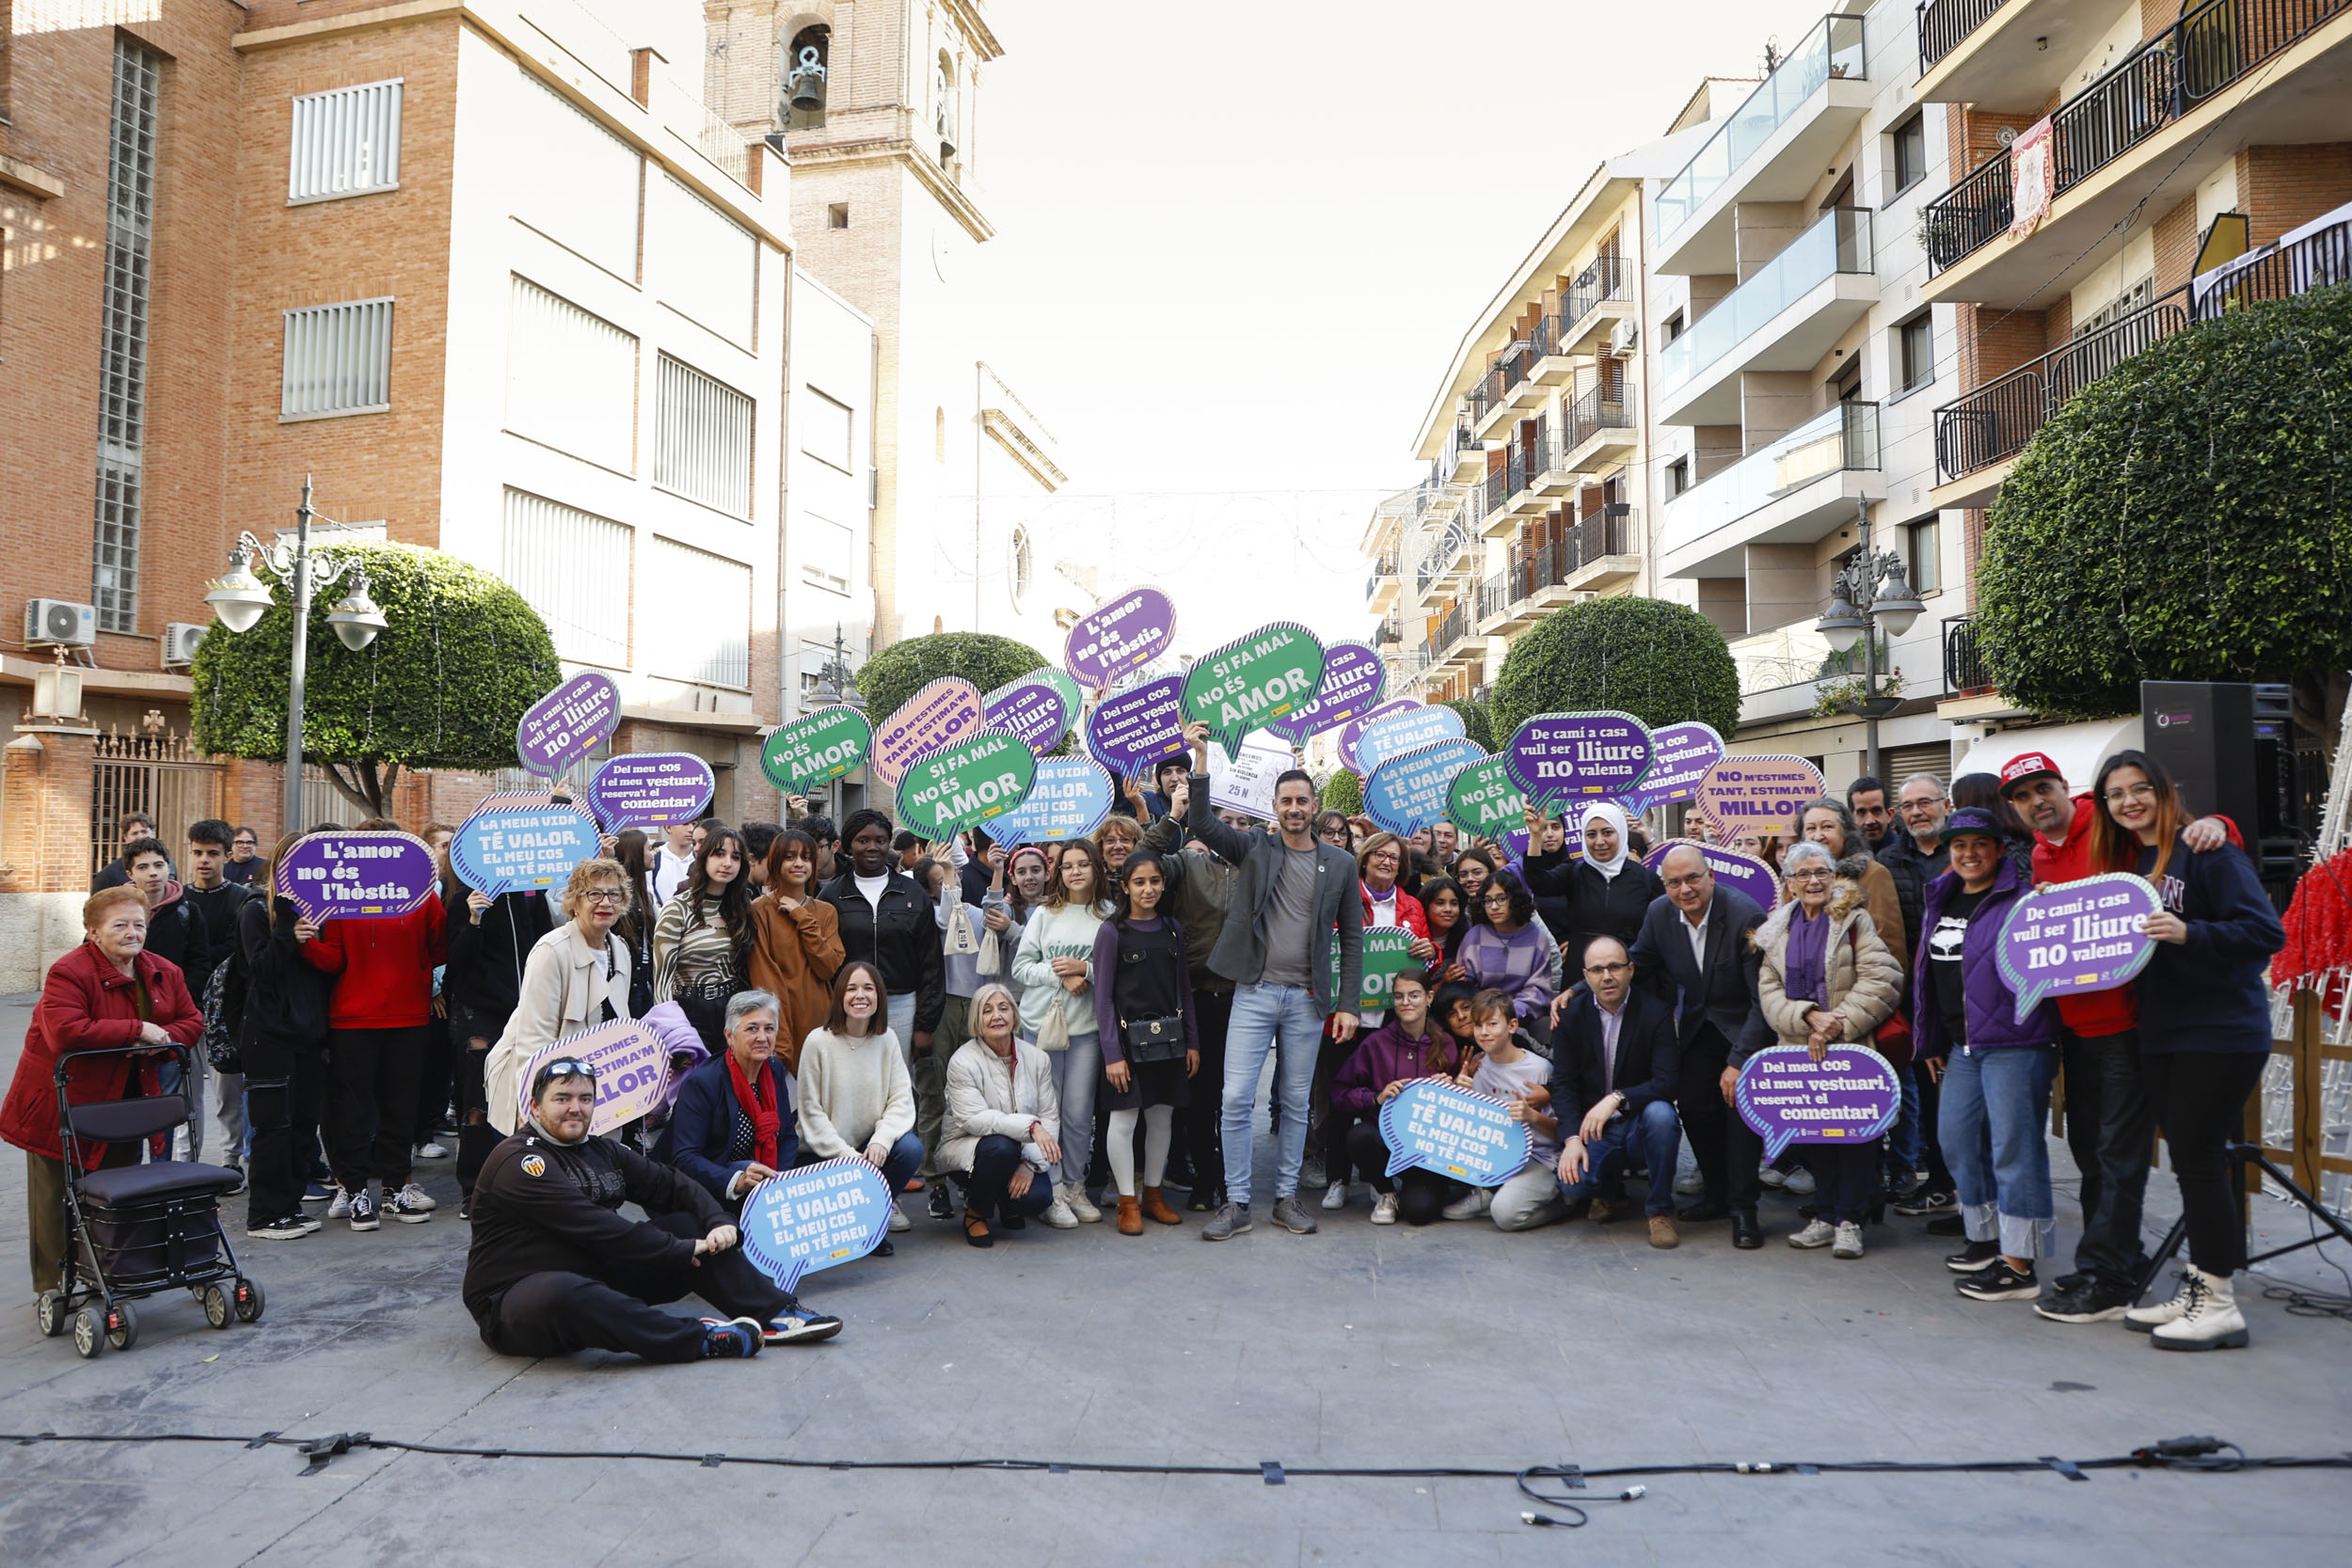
[(1293, 899)]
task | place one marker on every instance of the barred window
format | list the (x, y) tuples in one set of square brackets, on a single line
[(122, 337), (339, 360), (571, 379), (345, 143), (701, 620), (573, 568), (704, 449)]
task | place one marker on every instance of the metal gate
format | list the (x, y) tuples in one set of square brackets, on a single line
[(160, 775)]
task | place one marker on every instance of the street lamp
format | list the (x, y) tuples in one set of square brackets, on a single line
[(1867, 593), (239, 599)]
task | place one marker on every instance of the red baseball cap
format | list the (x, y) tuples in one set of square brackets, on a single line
[(2029, 764)]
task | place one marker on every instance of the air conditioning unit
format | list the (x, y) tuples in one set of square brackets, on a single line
[(180, 641), (1621, 337), (56, 623)]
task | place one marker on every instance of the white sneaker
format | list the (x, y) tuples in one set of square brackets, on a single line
[(1849, 1241), (1471, 1205), (341, 1207), (1818, 1235), (413, 1197), (1075, 1195), (1384, 1209), (1335, 1196), (2210, 1320), (1801, 1182), (1057, 1214), (899, 1220), (1690, 1184), (431, 1151)]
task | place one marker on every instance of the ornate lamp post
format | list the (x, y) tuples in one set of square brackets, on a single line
[(1867, 593)]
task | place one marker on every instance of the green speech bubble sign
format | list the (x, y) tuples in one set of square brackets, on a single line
[(964, 784), (1483, 802), (1388, 952), (1252, 681), (816, 749)]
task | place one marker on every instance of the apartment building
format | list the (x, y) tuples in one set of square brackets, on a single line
[(491, 272), (2183, 160)]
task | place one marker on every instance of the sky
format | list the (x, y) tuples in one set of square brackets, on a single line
[(1231, 265)]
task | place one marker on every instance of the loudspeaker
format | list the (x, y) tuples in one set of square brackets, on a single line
[(2202, 732)]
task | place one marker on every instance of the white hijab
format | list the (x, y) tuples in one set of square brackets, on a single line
[(1613, 814)]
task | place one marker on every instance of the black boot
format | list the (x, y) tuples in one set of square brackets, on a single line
[(1745, 1233)]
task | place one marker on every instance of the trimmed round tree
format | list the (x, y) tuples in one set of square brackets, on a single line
[(1659, 662), (2189, 516), (1344, 791), (888, 678), (442, 685), (1476, 723)]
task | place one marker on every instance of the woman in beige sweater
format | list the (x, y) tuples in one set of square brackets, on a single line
[(856, 1100)]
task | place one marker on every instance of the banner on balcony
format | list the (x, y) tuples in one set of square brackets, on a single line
[(1353, 679), (1357, 725), (1252, 681), (1130, 729), (941, 713), (2033, 178), (1559, 758), (1126, 633), (1680, 755), (1408, 793)]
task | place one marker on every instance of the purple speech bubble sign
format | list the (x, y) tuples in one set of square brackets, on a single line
[(1566, 758), (1758, 793), (1680, 755), (943, 712), (354, 876), (1353, 679), (650, 789), (632, 1071), (1731, 868), (1364, 720), (1130, 729), (1037, 711), (567, 723), (1122, 634), (1848, 1097), (2077, 937)]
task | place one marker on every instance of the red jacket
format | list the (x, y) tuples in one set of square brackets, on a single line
[(88, 1004), (385, 967), (1408, 911)]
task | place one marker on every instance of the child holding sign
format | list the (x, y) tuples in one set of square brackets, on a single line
[(1404, 1048)]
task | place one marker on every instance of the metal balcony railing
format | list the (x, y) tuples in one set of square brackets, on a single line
[(1600, 408), (1509, 369), (1454, 625), (1833, 49), (1993, 423), (2317, 260), (1581, 543), (1494, 595), (1964, 670), (1607, 278), (2171, 75), (1945, 24)]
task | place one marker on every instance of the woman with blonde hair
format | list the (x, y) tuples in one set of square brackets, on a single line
[(576, 978), (996, 1137), (1055, 965)]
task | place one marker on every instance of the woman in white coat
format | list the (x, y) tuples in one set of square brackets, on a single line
[(997, 1135), (576, 978)]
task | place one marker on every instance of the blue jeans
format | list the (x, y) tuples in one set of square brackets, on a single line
[(2006, 1093), (898, 1166), (1261, 1013), (1656, 1132)]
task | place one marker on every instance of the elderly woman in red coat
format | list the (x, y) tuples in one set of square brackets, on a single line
[(109, 991)]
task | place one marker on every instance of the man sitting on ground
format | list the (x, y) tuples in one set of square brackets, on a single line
[(556, 1268)]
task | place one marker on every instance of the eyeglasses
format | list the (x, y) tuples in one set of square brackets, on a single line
[(562, 1066), (605, 896), (2140, 791), (1498, 896), (1811, 875), (1606, 970), (1696, 879)]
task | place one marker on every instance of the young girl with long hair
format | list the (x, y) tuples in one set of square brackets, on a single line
[(1055, 965), (1150, 1040), (704, 938)]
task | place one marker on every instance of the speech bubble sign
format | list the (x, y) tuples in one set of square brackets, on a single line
[(817, 1218), (1848, 1097), (567, 723), (1243, 781), (1387, 952), (1252, 681), (1408, 793), (1400, 733), (1354, 730), (1039, 708), (1484, 801), (1732, 869), (632, 1071), (2077, 937), (1760, 793), (1121, 634), (520, 844), (941, 713), (816, 749), (1068, 799), (1438, 1126), (354, 876), (1353, 679), (1559, 758), (648, 789), (1680, 755), (965, 784), (1130, 729)]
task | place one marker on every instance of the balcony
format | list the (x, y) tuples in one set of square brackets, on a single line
[(1800, 488), (1498, 613), (1595, 431), (1965, 672), (2140, 139), (1600, 296), (2005, 57), (1450, 646), (1385, 585), (1491, 399), (1979, 438), (1788, 314), (1445, 560), (1772, 148), (1779, 671), (1465, 458)]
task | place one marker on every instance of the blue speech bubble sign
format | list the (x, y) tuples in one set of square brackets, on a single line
[(1407, 792), (817, 1218), (521, 844), (1848, 1097), (1401, 733), (1438, 1126), (2077, 937), (1353, 729), (1069, 799)]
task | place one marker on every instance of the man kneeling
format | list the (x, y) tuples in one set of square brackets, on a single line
[(556, 1268)]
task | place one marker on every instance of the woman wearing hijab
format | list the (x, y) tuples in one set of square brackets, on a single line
[(1608, 890)]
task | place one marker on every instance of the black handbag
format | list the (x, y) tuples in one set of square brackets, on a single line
[(1155, 1039)]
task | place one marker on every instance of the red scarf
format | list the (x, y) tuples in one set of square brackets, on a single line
[(759, 1105)]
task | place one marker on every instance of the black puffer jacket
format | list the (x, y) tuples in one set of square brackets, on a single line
[(904, 942), (485, 961), (1913, 869)]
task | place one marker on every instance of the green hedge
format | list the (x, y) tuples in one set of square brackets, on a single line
[(1477, 724), (1344, 791), (1661, 662), (899, 672)]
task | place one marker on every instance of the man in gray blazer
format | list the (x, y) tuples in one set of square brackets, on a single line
[(1293, 898)]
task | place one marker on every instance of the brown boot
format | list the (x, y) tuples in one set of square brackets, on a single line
[(1156, 1208), (1130, 1218)]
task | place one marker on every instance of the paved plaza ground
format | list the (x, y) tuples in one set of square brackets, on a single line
[(1453, 1346)]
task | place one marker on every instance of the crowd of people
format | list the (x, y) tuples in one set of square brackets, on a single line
[(1075, 1031)]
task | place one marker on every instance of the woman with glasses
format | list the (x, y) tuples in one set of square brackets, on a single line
[(577, 976), (1829, 824), (703, 940), (1828, 979), (1509, 951), (2204, 1028)]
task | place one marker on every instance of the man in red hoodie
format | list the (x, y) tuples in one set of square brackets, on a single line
[(375, 1050), (2110, 1125)]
